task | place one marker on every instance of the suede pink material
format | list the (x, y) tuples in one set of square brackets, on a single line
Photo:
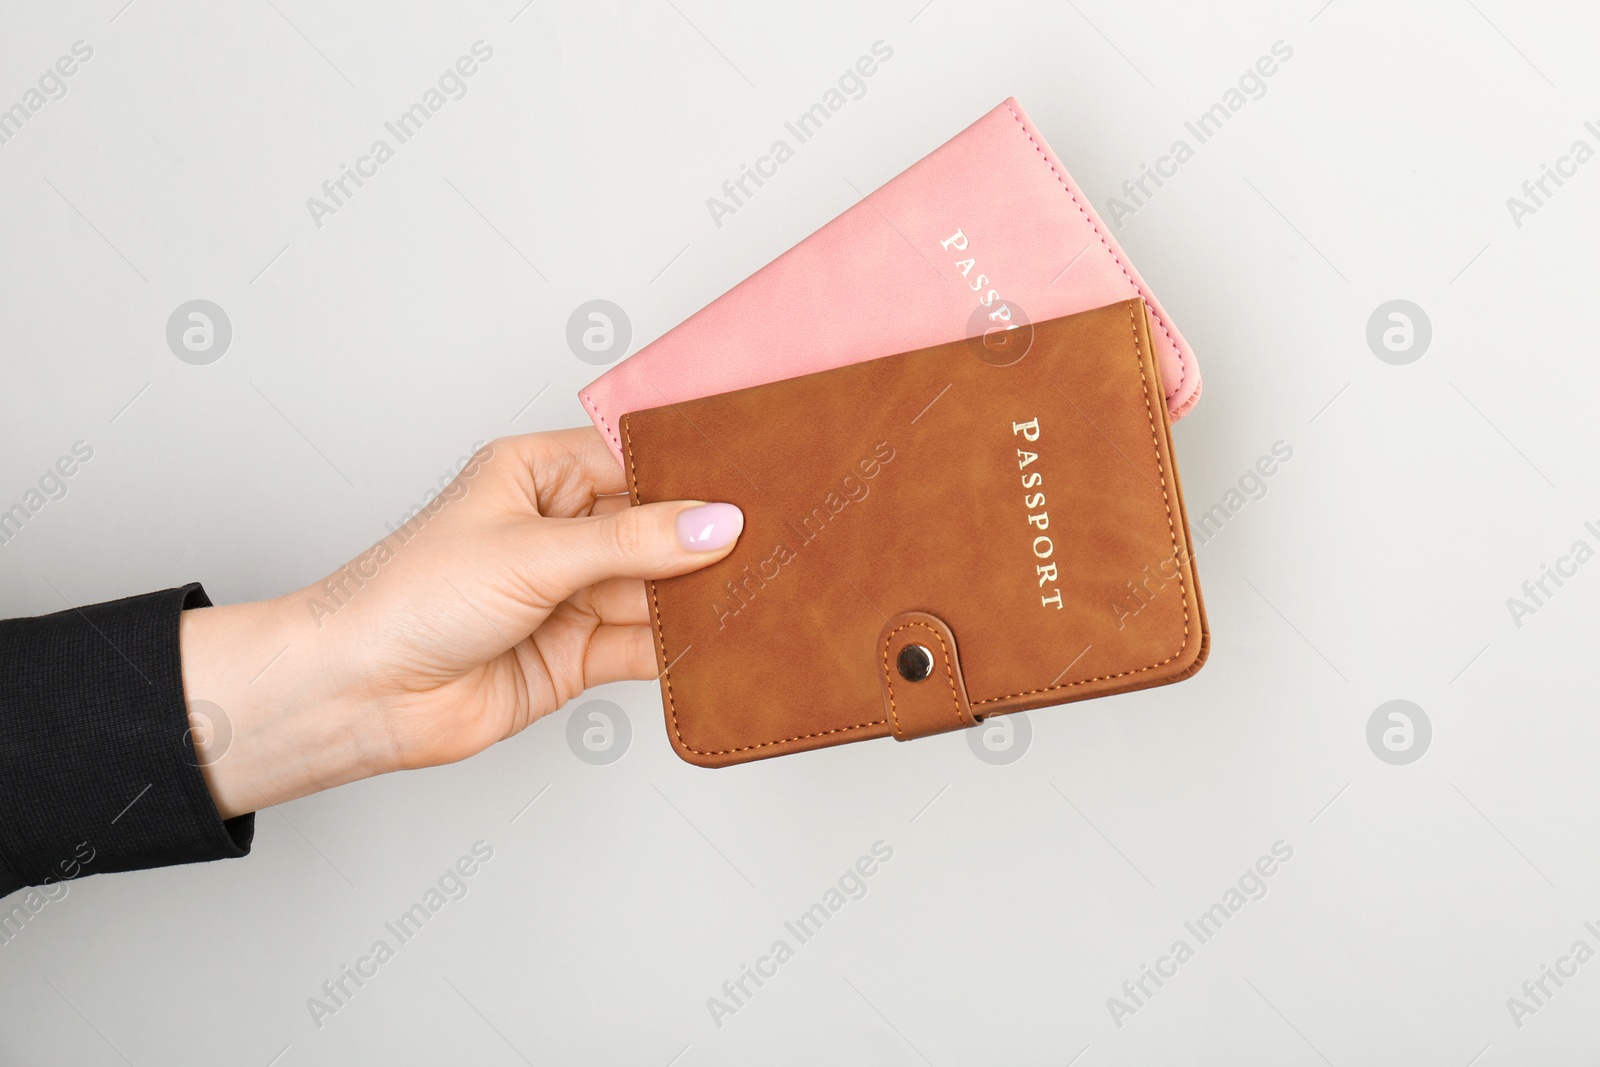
[(884, 277)]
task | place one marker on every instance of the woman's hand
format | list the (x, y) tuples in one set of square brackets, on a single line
[(507, 595)]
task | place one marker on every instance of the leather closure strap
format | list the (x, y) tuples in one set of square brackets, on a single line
[(923, 691)]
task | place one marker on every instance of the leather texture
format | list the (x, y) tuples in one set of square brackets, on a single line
[(885, 277), (1029, 515), (917, 707)]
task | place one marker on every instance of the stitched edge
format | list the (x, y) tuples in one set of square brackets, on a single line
[(1166, 499), (594, 409), (1183, 364), (666, 674), (1183, 592), (949, 672)]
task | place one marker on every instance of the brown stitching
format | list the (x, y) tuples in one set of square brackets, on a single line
[(949, 672), (661, 646), (1183, 590), (894, 714), (1183, 364)]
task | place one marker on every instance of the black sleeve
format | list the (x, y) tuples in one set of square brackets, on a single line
[(97, 769)]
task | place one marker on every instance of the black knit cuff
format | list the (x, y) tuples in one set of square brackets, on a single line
[(97, 768)]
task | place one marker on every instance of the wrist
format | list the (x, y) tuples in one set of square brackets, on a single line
[(272, 717)]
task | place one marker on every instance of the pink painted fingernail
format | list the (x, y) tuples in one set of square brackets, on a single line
[(709, 527)]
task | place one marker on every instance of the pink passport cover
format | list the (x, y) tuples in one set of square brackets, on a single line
[(885, 277)]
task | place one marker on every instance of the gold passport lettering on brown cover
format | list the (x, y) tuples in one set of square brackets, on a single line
[(1023, 523)]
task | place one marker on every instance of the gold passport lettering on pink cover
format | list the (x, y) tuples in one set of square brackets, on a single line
[(1022, 523), (988, 224)]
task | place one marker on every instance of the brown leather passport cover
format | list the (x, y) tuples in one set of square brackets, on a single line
[(1021, 523)]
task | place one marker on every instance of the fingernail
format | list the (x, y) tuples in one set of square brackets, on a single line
[(709, 527)]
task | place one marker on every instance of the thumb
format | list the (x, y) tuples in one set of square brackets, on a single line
[(646, 541)]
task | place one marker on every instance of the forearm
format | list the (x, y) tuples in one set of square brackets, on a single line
[(272, 715), (96, 770)]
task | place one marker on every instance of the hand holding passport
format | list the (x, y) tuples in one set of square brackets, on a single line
[(946, 418)]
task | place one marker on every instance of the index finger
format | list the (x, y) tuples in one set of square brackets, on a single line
[(567, 470)]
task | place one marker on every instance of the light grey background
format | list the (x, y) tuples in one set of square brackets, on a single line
[(431, 311)]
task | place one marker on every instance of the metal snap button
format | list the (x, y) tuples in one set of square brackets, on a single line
[(915, 663)]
